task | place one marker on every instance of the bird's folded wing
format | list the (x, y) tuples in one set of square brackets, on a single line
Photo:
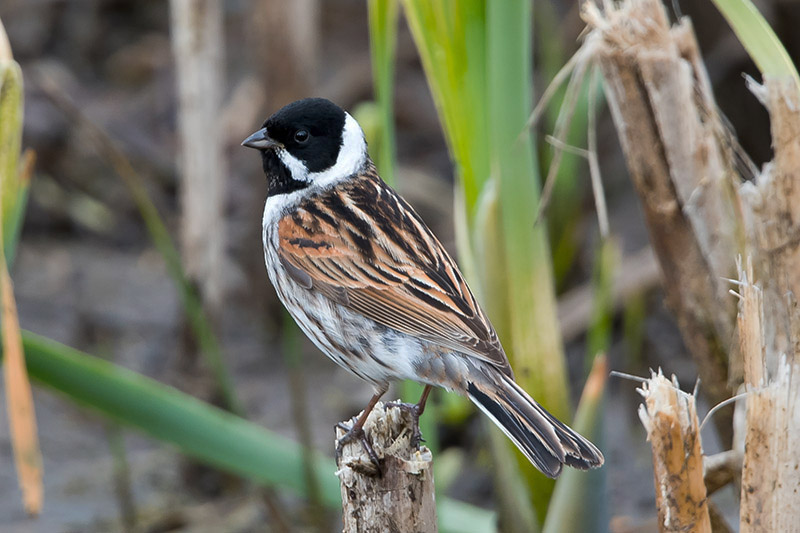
[(407, 282)]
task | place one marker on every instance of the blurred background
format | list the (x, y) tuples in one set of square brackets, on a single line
[(87, 273)]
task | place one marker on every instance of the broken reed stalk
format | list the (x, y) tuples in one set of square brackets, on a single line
[(681, 165), (401, 496), (772, 206), (769, 325), (771, 468), (757, 473), (670, 417)]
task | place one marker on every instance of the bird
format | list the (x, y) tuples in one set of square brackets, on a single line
[(373, 288)]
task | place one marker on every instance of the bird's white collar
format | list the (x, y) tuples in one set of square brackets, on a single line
[(352, 158)]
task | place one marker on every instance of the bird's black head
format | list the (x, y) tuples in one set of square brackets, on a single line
[(311, 141)]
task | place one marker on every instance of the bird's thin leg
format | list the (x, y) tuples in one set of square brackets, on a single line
[(416, 436), (423, 400), (356, 431)]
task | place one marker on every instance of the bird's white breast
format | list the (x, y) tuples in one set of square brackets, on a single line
[(372, 352)]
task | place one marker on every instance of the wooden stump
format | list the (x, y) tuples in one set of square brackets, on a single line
[(400, 495)]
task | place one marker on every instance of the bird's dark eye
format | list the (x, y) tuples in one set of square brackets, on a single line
[(301, 136)]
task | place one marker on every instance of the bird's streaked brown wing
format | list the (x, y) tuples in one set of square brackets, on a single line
[(364, 247)]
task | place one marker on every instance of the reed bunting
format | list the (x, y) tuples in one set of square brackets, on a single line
[(374, 289)]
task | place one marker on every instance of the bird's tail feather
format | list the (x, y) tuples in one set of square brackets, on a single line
[(546, 442)]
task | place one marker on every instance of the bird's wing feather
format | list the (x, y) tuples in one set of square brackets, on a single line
[(364, 247)]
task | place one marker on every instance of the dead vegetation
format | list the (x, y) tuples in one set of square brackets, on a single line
[(683, 171), (702, 214), (670, 417)]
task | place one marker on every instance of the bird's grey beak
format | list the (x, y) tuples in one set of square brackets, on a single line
[(260, 141)]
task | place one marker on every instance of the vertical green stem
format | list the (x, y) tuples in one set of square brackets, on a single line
[(13, 192), (534, 348), (383, 39)]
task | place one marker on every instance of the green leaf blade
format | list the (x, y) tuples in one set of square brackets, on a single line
[(197, 429), (383, 16), (759, 39)]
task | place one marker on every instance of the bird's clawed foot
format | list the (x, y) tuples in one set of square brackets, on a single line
[(415, 410), (354, 433)]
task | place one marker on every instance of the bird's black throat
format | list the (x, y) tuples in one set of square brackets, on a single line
[(279, 178)]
